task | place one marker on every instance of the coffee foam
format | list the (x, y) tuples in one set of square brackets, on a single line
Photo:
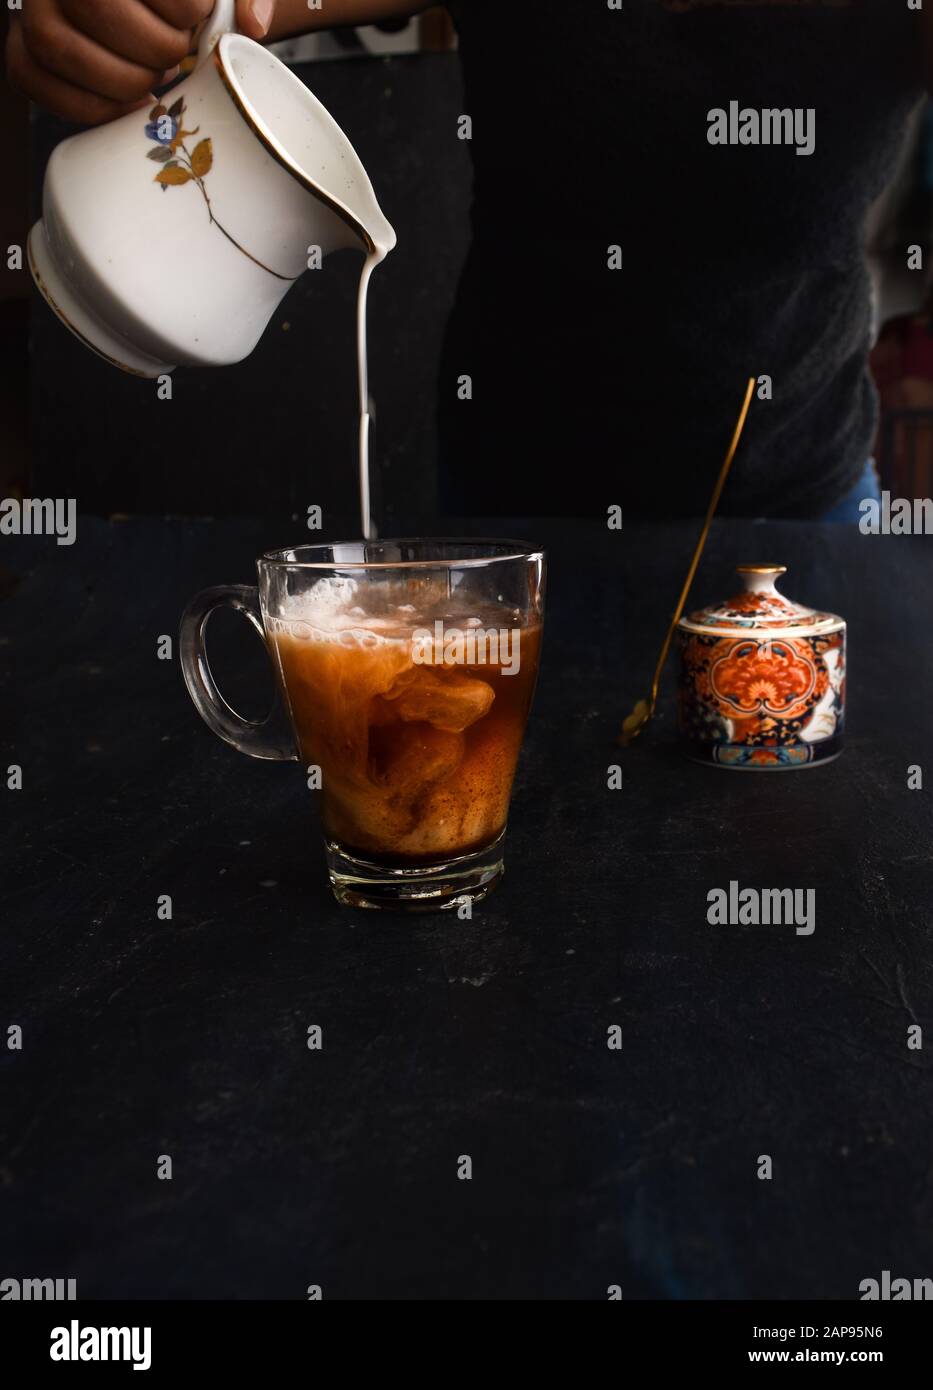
[(327, 612), (332, 611)]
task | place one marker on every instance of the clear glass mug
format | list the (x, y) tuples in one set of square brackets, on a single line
[(407, 670)]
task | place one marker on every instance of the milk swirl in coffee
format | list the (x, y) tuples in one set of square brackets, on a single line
[(417, 750)]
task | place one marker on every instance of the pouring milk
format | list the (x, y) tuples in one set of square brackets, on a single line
[(237, 177)]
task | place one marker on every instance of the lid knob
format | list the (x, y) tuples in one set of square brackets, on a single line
[(760, 579)]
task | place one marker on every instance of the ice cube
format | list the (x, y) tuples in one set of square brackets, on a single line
[(415, 757), (451, 701)]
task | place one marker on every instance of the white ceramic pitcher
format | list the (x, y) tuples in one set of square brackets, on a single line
[(170, 236)]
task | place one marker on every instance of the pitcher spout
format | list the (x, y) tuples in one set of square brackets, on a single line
[(381, 232), (301, 136)]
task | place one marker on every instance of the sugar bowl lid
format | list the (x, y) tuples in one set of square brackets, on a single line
[(758, 607)]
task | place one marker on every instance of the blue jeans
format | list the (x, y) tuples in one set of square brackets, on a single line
[(847, 509)]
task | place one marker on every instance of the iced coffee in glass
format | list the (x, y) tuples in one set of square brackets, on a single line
[(407, 670)]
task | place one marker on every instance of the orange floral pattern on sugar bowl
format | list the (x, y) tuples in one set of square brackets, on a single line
[(762, 679)]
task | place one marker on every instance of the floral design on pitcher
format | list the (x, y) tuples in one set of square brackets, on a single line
[(166, 128), (179, 165)]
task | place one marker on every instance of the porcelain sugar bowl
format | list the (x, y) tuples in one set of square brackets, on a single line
[(762, 679)]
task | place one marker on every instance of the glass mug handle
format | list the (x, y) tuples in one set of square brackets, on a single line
[(269, 738)]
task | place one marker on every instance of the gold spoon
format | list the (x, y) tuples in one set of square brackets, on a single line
[(644, 709)]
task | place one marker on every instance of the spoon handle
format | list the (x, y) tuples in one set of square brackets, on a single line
[(701, 543)]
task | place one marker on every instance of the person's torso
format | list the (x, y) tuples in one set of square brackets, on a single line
[(591, 129)]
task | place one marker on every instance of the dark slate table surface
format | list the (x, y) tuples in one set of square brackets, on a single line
[(442, 1038)]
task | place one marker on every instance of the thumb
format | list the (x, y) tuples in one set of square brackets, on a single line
[(254, 17)]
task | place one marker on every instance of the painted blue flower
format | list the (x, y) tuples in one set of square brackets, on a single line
[(163, 130)]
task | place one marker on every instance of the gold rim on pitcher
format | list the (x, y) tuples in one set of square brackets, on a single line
[(281, 158)]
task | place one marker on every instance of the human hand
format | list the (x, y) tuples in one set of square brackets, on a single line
[(93, 60)]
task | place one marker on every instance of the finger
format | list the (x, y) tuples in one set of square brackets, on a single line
[(52, 93), (254, 17), (66, 54), (131, 30)]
